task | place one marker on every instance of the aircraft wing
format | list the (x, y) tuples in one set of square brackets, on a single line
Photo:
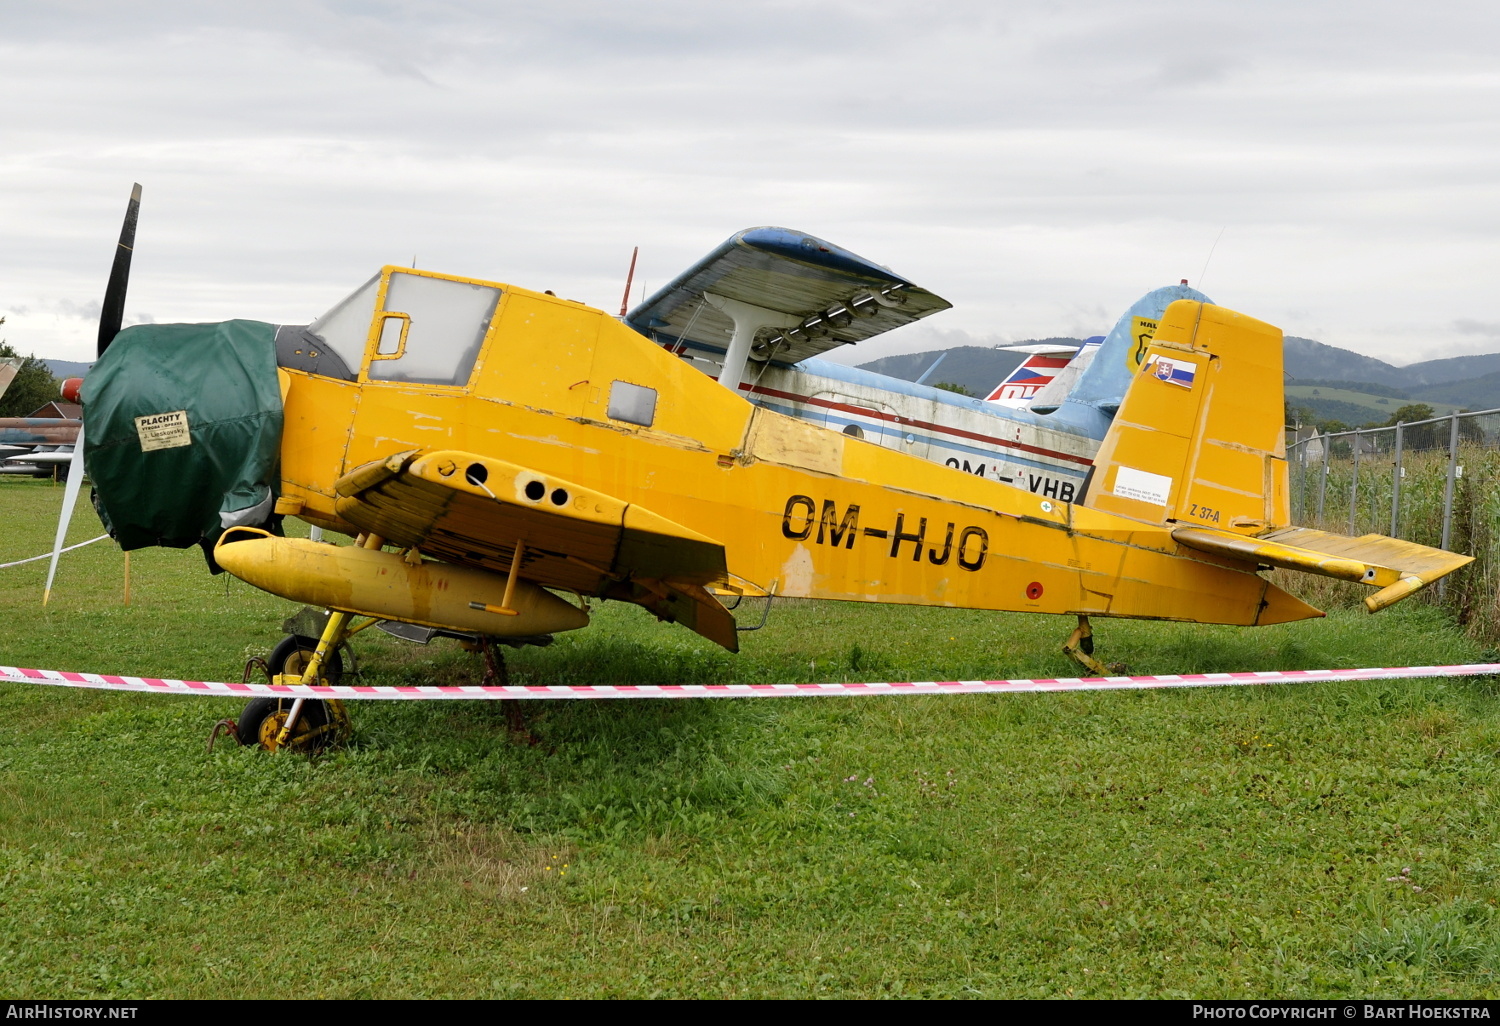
[(836, 297), (477, 511)]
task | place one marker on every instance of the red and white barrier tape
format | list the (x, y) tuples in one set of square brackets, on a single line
[(950, 687)]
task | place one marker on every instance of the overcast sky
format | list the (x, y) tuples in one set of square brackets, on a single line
[(1040, 165)]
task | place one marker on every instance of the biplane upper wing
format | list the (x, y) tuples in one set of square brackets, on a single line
[(479, 511), (837, 297)]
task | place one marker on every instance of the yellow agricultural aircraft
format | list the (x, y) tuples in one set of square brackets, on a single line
[(492, 449)]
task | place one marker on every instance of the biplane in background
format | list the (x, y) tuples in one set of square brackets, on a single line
[(1045, 363), (1038, 429), (492, 449)]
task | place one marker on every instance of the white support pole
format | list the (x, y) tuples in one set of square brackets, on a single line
[(748, 319), (70, 499)]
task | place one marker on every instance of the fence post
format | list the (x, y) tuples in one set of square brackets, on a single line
[(1442, 590), (1354, 485), (1301, 516), (1323, 478), (1293, 475), (1396, 487), (1448, 486)]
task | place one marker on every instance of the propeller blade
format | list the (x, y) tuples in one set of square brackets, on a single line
[(113, 312), (70, 499)]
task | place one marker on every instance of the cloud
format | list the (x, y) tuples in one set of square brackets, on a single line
[(1039, 164), (85, 311), (1488, 329)]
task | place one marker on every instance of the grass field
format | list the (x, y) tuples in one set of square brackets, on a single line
[(1329, 839)]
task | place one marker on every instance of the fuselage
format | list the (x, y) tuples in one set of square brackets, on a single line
[(970, 435), (800, 509)]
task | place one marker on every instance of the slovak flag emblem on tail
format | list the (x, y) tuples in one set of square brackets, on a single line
[(1173, 372)]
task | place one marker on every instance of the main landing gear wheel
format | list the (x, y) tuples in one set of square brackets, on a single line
[(1080, 648), (262, 718)]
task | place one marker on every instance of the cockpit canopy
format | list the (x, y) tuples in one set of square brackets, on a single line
[(400, 326)]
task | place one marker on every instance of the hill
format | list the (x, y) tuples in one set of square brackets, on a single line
[(1481, 393), (67, 368), (1354, 407), (1308, 359), (1454, 369), (1354, 389)]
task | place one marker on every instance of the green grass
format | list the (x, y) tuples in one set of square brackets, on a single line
[(1213, 843)]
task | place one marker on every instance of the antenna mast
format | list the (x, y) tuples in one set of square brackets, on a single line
[(629, 277)]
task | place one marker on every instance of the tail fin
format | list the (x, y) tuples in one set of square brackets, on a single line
[(1198, 445), (1040, 368), (1052, 395), (1198, 438), (1101, 382)]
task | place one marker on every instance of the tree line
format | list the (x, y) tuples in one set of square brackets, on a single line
[(33, 386)]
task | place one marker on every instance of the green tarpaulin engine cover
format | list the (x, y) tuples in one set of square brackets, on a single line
[(182, 432)]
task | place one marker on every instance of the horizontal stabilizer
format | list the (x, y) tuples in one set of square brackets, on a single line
[(1398, 568), (822, 297)]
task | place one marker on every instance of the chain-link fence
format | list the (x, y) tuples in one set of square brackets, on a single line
[(1436, 482)]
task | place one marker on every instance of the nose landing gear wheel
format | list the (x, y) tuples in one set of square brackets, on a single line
[(291, 654)]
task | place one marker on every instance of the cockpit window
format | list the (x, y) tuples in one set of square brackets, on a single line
[(345, 328), (447, 324)]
